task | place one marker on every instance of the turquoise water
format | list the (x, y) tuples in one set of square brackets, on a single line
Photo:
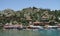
[(29, 32)]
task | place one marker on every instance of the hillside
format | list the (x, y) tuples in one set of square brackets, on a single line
[(33, 13)]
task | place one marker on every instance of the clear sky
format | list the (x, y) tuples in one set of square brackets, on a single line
[(20, 4)]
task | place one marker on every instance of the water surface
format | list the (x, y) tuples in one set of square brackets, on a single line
[(29, 32)]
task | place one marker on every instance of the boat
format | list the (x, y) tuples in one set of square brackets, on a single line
[(51, 27), (19, 27), (34, 27)]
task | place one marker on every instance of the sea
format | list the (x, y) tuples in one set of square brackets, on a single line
[(15, 32)]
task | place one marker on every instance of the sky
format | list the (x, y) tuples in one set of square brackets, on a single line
[(20, 4)]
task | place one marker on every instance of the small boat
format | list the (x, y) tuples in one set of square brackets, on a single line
[(19, 27), (34, 27), (51, 27)]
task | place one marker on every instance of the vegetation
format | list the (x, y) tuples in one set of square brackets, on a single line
[(20, 16)]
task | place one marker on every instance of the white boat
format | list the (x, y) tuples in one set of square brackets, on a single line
[(36, 27), (52, 27)]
